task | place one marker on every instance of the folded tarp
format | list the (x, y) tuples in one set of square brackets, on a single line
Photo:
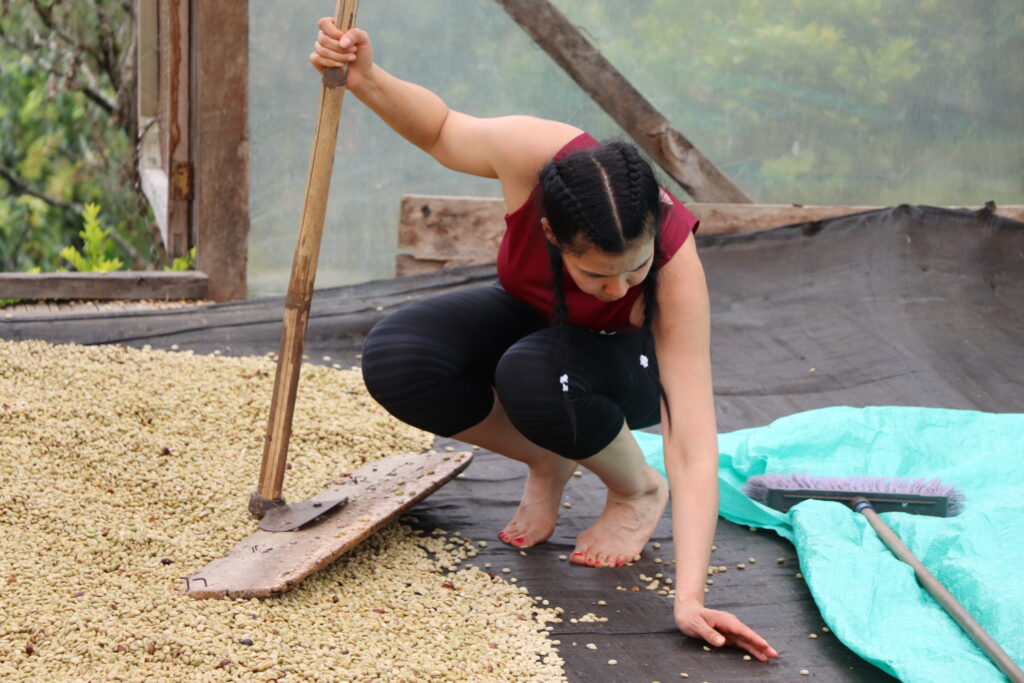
[(868, 598)]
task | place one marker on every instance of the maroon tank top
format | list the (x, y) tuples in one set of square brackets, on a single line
[(525, 273)]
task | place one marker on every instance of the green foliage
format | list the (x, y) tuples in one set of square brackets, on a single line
[(186, 262), (67, 123), (96, 244), (862, 101)]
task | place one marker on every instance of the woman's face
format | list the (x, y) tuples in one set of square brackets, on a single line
[(608, 276)]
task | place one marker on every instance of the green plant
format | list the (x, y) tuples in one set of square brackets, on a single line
[(68, 127), (186, 262), (95, 243)]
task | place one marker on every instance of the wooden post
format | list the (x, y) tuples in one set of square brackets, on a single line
[(174, 117), (694, 172), (220, 145)]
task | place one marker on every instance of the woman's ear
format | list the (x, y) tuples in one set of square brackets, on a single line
[(547, 231)]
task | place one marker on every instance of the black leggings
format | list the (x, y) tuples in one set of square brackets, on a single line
[(433, 364)]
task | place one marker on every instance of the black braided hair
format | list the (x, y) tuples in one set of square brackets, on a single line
[(605, 197), (558, 320), (638, 203)]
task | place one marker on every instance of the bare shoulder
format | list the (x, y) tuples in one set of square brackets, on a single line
[(523, 145), (512, 149)]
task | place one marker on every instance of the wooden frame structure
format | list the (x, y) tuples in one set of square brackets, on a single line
[(194, 166), (430, 227), (436, 232), (193, 157), (193, 161)]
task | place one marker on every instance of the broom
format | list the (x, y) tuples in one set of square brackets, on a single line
[(871, 495)]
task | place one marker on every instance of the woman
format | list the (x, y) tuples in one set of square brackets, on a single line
[(552, 371)]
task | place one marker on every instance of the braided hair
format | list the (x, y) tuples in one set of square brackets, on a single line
[(606, 197)]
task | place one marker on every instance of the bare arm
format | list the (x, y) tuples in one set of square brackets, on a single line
[(510, 148), (683, 339)]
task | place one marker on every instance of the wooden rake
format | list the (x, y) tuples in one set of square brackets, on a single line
[(297, 539)]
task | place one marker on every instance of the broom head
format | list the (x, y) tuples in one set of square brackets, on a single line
[(886, 494)]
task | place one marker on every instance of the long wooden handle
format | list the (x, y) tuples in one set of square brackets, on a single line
[(300, 286), (952, 606)]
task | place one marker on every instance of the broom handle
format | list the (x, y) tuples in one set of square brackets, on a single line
[(300, 286), (978, 634)]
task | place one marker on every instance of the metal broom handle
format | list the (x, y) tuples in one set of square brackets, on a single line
[(968, 623), (300, 286)]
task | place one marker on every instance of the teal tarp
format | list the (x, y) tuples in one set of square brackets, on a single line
[(870, 599)]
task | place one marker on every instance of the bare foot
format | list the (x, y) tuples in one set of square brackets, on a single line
[(535, 519), (624, 526)]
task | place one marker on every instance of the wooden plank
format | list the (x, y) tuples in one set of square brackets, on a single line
[(445, 232), (266, 563), (220, 146), (717, 219), (457, 231), (585, 64), (78, 309), (116, 285)]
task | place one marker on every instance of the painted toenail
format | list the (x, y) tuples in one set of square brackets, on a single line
[(520, 540), (577, 554)]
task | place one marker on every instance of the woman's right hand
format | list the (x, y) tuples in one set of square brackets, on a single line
[(335, 48)]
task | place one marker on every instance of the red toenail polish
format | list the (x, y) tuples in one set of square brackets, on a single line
[(577, 554), (590, 561), (520, 540)]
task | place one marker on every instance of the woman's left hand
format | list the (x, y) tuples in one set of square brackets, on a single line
[(720, 629)]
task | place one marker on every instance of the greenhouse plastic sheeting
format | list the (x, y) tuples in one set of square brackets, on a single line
[(870, 599)]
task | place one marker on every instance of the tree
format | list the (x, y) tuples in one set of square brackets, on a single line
[(68, 129)]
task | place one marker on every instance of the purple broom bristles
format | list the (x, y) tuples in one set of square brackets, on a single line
[(757, 487)]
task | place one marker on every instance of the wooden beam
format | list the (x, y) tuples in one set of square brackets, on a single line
[(571, 50), (139, 284), (445, 232), (220, 144)]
